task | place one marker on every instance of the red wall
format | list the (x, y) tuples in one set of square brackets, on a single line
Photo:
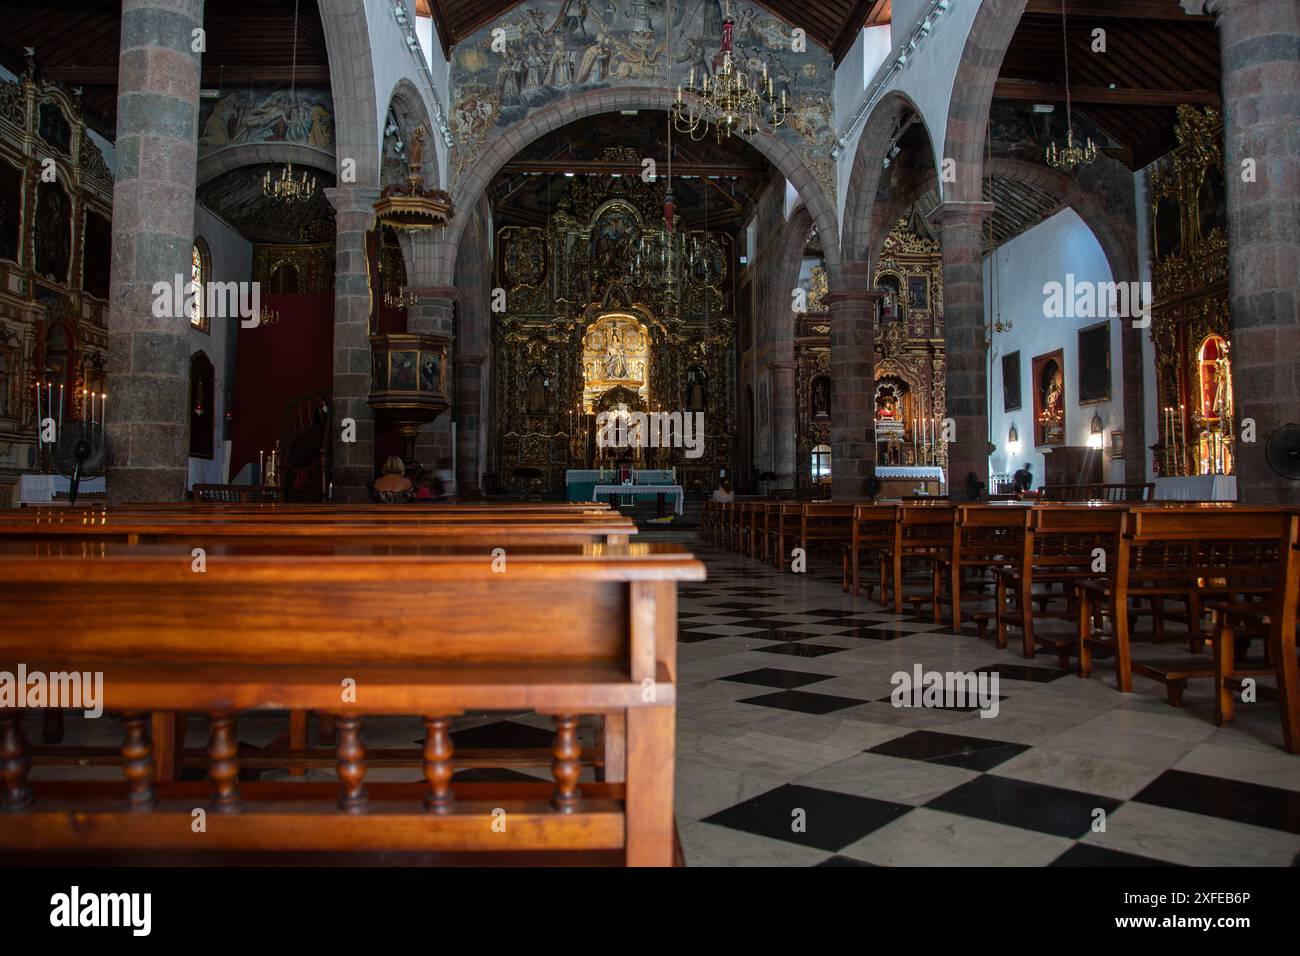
[(274, 364)]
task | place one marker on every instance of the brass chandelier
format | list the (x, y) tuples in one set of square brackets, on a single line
[(727, 101), (1070, 156), (287, 187)]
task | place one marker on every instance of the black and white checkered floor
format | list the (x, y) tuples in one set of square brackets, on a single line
[(790, 752)]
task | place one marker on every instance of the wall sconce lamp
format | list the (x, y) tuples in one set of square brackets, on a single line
[(1013, 442), (1094, 437)]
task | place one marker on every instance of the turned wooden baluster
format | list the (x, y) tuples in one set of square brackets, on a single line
[(438, 749), (137, 761), (223, 763), (14, 762), (567, 763), (351, 754)]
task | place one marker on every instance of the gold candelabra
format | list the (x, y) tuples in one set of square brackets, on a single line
[(288, 187)]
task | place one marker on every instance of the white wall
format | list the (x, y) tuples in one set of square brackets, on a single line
[(1060, 245), (232, 261), (391, 60), (926, 78)]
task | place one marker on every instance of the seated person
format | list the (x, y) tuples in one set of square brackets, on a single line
[(724, 491), (444, 480), (393, 487)]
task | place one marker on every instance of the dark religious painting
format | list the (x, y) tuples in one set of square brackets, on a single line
[(11, 205), (1049, 399), (53, 239), (430, 372), (1168, 228), (1211, 205), (1011, 382), (54, 128), (918, 292), (202, 389), (97, 254), (402, 367), (1094, 364)]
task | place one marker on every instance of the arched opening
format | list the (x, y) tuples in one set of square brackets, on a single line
[(200, 276), (203, 379)]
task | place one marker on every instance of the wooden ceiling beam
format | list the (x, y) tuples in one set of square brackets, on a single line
[(1128, 9), (1008, 89)]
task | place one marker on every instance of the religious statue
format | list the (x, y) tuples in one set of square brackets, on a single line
[(821, 400), (616, 358), (695, 396), (537, 388), (1222, 383)]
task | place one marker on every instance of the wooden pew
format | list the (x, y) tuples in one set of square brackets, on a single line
[(1098, 492), (925, 536), (1273, 618), (828, 521), (985, 538), (876, 532), (782, 527), (236, 493), (573, 631), (1060, 550), (1186, 553)]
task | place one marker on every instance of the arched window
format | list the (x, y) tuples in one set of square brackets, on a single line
[(821, 462), (200, 273)]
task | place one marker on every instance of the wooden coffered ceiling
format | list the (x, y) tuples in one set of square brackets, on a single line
[(1156, 57), (832, 23)]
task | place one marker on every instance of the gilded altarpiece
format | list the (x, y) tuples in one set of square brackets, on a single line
[(56, 194), (909, 361), (607, 308), (1190, 321)]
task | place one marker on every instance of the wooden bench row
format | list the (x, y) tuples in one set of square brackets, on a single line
[(421, 624)]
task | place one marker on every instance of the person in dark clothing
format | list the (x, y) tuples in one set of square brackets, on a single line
[(1023, 480)]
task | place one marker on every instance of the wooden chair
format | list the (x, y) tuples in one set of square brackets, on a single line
[(573, 631), (1273, 619), (1189, 554)]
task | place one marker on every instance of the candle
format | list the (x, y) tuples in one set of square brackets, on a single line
[(39, 440), (49, 399), (60, 407), (103, 411)]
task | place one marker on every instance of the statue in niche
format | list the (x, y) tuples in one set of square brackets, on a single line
[(538, 392), (696, 396), (887, 405), (1222, 377), (821, 398), (53, 237), (616, 366)]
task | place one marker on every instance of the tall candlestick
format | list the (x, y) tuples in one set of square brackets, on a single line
[(1182, 429), (49, 399), (103, 411), (39, 440), (60, 408), (259, 467)]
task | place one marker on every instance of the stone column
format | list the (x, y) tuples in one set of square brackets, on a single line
[(471, 419), (962, 225), (153, 234), (354, 462), (852, 304), (435, 314), (1260, 49), (783, 421)]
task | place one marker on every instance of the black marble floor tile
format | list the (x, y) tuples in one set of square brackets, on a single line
[(1030, 806), (777, 677), (1241, 800), (696, 637), (800, 649), (803, 702), (873, 634), (951, 750), (888, 699), (831, 821), (1040, 675), (838, 860), (1087, 854)]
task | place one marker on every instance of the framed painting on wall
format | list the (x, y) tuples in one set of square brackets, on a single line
[(1011, 382), (1049, 398), (1094, 364)]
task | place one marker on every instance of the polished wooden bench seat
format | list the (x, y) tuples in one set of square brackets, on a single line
[(573, 631), (876, 535)]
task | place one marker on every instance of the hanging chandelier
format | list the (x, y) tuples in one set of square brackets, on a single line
[(1070, 156), (402, 299), (287, 188), (726, 101)]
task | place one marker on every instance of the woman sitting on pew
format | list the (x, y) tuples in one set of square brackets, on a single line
[(393, 487)]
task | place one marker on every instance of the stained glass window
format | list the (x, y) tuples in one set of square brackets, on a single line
[(198, 266)]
